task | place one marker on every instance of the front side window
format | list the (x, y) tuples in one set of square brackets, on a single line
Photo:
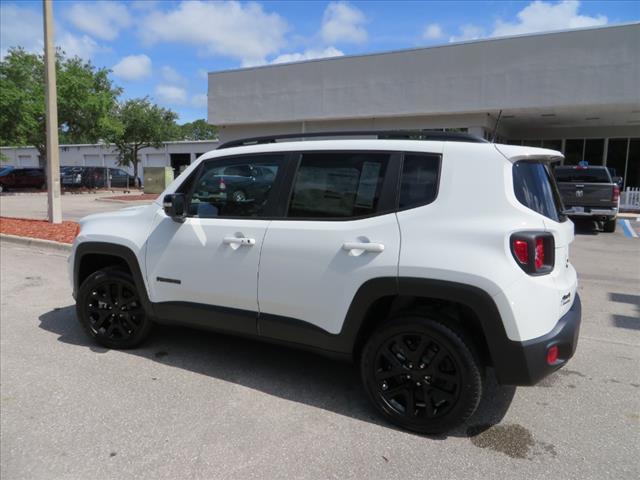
[(338, 185), (535, 189), (233, 187), (419, 180)]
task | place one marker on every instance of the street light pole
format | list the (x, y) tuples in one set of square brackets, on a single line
[(51, 99)]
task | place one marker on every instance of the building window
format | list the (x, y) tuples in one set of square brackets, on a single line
[(594, 150), (633, 164), (617, 156), (573, 151), (552, 144)]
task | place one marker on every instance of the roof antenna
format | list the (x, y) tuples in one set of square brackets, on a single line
[(495, 129)]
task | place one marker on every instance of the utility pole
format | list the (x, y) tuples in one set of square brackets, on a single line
[(51, 99)]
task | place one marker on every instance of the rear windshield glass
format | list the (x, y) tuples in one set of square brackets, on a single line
[(534, 188), (584, 174)]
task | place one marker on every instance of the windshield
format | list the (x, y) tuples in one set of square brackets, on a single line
[(582, 174)]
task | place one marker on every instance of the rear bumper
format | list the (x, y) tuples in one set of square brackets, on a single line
[(591, 212), (529, 364)]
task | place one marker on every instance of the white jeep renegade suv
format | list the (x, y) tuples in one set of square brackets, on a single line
[(425, 261)]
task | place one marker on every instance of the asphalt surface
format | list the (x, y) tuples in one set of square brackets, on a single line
[(199, 405), (74, 206)]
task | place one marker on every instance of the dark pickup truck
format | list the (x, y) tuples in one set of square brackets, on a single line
[(589, 192)]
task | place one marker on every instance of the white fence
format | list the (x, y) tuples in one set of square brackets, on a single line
[(630, 199)]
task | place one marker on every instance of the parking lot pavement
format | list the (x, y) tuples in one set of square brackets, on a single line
[(199, 405), (74, 206)]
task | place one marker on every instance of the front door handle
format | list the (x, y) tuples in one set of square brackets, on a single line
[(239, 241), (359, 247)]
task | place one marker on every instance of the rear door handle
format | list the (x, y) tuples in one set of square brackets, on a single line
[(363, 247), (239, 241)]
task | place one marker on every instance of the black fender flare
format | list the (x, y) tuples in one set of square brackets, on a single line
[(507, 356), (114, 250)]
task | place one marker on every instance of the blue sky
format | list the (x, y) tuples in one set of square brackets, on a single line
[(163, 49)]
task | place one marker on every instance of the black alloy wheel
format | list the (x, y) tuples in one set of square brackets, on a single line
[(110, 309), (421, 375)]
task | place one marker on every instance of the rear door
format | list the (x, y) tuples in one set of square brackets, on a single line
[(340, 230)]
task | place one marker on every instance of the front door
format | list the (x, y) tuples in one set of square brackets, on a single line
[(206, 268), (339, 232)]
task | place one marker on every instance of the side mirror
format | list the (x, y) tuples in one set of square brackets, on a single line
[(617, 180), (174, 206)]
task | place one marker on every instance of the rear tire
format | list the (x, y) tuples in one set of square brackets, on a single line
[(609, 226), (110, 311), (421, 375)]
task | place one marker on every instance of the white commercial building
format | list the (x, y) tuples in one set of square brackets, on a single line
[(575, 91), (171, 154)]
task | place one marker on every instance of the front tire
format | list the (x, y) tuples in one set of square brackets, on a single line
[(110, 311), (609, 226), (421, 375)]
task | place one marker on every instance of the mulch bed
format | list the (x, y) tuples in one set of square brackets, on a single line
[(63, 232), (134, 198)]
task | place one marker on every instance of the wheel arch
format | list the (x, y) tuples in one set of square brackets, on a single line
[(93, 256), (377, 299)]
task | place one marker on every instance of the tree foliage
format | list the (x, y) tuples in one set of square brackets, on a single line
[(138, 124), (86, 99), (198, 130)]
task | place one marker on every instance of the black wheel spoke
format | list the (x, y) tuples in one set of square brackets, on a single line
[(416, 376), (114, 310), (395, 391)]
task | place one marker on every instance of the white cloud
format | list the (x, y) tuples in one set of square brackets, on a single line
[(77, 46), (103, 20), (343, 23), (203, 74), (171, 76), (308, 55), (199, 100), (540, 16), (20, 27), (171, 95), (242, 31), (133, 67), (433, 31), (468, 32)]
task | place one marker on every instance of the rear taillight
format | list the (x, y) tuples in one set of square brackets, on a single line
[(533, 251), (615, 196), (222, 185)]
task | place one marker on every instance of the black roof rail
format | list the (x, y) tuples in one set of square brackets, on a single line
[(437, 135)]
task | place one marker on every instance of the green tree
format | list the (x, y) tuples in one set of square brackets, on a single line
[(198, 130), (139, 124), (86, 99)]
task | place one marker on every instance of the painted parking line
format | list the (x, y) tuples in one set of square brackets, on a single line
[(628, 229)]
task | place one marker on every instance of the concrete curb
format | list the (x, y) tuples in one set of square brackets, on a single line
[(35, 242)]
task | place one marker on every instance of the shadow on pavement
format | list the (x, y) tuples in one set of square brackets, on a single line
[(286, 373)]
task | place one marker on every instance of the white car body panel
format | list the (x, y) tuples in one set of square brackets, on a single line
[(307, 274)]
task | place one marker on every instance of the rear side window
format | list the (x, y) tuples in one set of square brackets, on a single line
[(419, 185), (582, 174), (338, 185), (534, 188)]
